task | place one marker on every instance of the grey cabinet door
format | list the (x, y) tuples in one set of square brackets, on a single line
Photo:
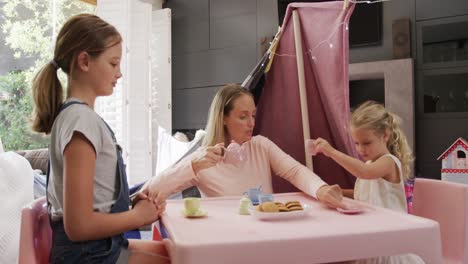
[(443, 42), (443, 93), (428, 9), (190, 26), (214, 67), (190, 110)]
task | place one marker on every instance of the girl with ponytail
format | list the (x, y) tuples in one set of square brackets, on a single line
[(387, 163), (87, 189)]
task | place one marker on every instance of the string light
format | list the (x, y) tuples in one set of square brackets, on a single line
[(328, 40), (367, 1), (310, 51)]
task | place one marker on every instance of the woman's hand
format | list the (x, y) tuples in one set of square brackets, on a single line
[(331, 196), (152, 191), (207, 157), (320, 145), (140, 195)]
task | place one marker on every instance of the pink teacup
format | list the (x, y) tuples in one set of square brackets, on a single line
[(235, 154), (310, 147)]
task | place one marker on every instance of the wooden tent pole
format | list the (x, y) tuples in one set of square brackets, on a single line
[(302, 85)]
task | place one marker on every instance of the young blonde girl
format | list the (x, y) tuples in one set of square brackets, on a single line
[(87, 189), (387, 163)]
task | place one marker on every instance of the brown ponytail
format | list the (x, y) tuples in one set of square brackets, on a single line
[(81, 33), (48, 96)]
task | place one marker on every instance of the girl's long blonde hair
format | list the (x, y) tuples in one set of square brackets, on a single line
[(84, 32), (374, 116), (221, 106)]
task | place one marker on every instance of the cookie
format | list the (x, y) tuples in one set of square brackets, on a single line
[(295, 208), (258, 208), (290, 203), (270, 207), (293, 205)]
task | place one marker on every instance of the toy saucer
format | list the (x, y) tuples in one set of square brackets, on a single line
[(197, 214), (352, 209)]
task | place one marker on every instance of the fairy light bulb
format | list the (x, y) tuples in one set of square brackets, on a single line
[(326, 41)]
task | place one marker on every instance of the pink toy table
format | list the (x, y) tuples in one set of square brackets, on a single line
[(324, 235)]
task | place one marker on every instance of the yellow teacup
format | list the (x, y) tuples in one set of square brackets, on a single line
[(192, 205)]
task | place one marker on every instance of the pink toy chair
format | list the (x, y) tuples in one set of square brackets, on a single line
[(446, 203), (35, 234)]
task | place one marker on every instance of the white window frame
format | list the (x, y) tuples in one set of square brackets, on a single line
[(134, 109)]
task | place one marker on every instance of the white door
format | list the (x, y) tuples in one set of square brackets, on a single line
[(161, 70)]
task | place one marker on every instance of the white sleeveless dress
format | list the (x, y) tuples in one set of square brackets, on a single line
[(382, 193)]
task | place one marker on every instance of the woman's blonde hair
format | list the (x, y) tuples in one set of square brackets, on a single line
[(81, 33), (374, 116), (222, 105)]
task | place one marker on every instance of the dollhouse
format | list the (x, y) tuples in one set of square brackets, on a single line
[(455, 162)]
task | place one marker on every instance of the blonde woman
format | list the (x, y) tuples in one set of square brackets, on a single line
[(232, 119)]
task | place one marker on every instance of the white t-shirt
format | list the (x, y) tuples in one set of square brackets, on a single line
[(83, 119), (382, 193)]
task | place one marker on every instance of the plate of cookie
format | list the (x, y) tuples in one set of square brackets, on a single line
[(279, 210)]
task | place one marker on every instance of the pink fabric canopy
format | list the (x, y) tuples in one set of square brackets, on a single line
[(325, 48)]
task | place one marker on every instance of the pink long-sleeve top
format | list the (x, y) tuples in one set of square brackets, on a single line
[(263, 159)]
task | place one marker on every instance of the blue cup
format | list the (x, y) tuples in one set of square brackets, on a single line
[(267, 197), (253, 195)]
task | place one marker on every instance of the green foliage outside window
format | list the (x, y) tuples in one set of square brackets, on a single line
[(15, 128), (30, 27)]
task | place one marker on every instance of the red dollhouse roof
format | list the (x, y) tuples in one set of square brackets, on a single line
[(454, 170), (459, 142)]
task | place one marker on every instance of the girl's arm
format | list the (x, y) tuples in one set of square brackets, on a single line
[(80, 220), (381, 168)]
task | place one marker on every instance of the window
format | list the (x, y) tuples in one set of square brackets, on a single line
[(26, 43), (142, 99)]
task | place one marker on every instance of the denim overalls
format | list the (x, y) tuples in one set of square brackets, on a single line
[(102, 251)]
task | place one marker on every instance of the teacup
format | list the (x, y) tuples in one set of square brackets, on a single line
[(244, 205), (267, 197), (253, 194), (192, 205), (310, 147), (235, 154)]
